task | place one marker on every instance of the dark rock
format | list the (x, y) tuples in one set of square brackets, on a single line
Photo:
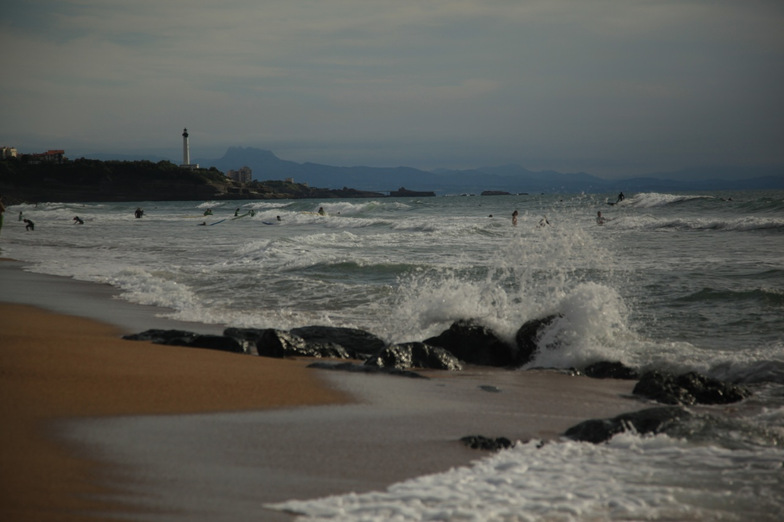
[(192, 340), (361, 368), (414, 355), (689, 388), (475, 344), (163, 336), (484, 443), (245, 334), (527, 338), (216, 342), (652, 420), (359, 343), (611, 370), (710, 391), (277, 343)]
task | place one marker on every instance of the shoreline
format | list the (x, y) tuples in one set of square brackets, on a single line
[(131, 427)]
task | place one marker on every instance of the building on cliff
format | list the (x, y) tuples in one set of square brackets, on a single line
[(243, 175), (50, 156)]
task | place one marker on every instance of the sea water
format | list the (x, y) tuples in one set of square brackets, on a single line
[(691, 281)]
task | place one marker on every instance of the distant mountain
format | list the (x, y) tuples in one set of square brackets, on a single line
[(509, 178)]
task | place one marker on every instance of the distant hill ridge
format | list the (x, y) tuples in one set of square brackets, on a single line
[(510, 178)]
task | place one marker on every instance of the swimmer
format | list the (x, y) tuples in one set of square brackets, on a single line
[(599, 218)]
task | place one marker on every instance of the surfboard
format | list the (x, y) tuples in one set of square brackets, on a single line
[(241, 215), (269, 223), (215, 223)]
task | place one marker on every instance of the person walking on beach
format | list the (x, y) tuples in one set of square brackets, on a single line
[(514, 218), (29, 225)]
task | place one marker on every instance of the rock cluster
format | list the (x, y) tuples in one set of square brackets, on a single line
[(648, 421), (688, 388), (465, 342), (481, 442)]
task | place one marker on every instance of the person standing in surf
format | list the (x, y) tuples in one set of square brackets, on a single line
[(2, 211), (514, 218)]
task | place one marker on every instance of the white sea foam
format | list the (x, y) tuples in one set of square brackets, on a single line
[(571, 481)]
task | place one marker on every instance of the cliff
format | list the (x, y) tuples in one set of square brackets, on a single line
[(94, 180)]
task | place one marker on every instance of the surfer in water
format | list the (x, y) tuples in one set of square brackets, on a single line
[(139, 212), (321, 211), (29, 225), (600, 220), (78, 221), (514, 218), (621, 197)]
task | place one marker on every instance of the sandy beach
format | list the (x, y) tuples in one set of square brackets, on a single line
[(96, 427)]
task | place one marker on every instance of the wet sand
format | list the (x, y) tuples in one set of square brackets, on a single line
[(96, 427), (56, 367)]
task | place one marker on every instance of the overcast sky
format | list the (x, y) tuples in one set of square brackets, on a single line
[(607, 87)]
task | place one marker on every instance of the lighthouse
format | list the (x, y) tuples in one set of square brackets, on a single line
[(186, 152)]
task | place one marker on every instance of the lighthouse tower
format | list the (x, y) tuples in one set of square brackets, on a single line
[(186, 152)]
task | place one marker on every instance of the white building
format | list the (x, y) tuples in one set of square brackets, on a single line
[(186, 152)]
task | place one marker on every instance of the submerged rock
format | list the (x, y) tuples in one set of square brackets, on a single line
[(414, 355), (689, 388), (473, 343), (652, 420)]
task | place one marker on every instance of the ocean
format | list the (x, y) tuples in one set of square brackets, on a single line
[(678, 282)]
